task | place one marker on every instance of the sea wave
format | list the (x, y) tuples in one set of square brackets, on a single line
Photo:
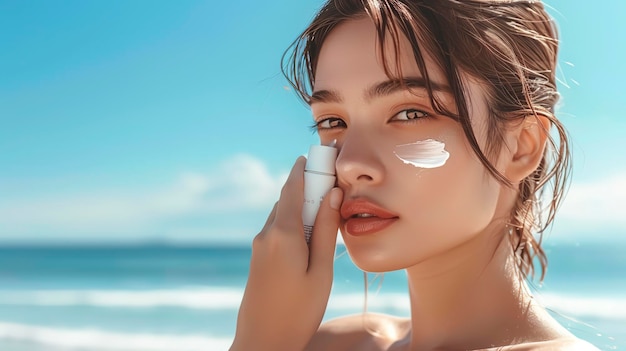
[(601, 307), (223, 298), (193, 298), (62, 339), (209, 298)]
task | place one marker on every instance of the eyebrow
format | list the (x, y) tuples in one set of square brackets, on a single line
[(381, 89)]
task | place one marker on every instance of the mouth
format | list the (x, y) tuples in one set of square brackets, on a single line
[(363, 217)]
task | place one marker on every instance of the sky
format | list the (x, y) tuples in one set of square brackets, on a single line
[(170, 121)]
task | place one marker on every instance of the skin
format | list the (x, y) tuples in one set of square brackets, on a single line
[(450, 236)]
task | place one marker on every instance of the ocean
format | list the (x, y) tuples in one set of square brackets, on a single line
[(159, 297)]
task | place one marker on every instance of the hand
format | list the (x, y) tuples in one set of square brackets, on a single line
[(289, 282)]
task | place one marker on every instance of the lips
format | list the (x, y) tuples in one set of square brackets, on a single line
[(362, 217)]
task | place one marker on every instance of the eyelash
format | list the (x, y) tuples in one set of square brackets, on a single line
[(410, 110), (317, 125)]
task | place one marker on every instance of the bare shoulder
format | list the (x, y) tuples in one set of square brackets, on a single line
[(366, 332), (564, 344)]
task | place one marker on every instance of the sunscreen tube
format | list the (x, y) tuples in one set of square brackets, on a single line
[(319, 178)]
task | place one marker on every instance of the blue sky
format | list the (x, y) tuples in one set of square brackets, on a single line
[(170, 121)]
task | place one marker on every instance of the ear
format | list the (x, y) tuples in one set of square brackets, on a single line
[(527, 142)]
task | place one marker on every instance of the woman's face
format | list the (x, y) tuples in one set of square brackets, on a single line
[(395, 214)]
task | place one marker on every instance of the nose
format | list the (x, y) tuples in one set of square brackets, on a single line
[(358, 162)]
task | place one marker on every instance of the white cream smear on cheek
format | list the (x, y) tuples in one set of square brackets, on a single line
[(423, 154)]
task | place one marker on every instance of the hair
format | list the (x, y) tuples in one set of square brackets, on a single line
[(509, 46)]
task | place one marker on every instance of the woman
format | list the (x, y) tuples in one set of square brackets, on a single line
[(470, 83)]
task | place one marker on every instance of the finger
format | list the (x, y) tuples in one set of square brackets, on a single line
[(270, 219), (258, 239), (324, 236), (289, 210)]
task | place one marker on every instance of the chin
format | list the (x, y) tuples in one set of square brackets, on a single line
[(373, 258), (373, 266)]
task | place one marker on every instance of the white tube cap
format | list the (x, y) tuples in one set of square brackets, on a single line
[(321, 159)]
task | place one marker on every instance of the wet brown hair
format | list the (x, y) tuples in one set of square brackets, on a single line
[(509, 46)]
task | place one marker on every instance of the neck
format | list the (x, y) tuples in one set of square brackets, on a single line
[(466, 297)]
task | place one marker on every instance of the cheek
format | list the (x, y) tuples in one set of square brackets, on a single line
[(440, 207), (454, 200), (469, 193)]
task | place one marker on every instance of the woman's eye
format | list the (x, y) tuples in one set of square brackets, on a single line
[(330, 123), (410, 114)]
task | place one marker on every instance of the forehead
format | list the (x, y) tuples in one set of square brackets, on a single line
[(352, 49), (351, 60)]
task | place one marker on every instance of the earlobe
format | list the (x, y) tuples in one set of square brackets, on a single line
[(530, 138)]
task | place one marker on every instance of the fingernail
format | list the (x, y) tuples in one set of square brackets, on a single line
[(335, 198)]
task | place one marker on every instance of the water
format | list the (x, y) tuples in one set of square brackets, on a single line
[(186, 298)]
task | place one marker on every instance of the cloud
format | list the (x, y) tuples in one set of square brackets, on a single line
[(243, 183), (232, 200), (598, 204)]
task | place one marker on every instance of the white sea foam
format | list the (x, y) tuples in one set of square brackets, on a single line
[(604, 307), (600, 307), (100, 340), (612, 307), (194, 298)]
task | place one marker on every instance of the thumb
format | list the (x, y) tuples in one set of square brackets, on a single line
[(324, 238)]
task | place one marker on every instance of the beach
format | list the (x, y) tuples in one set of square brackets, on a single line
[(163, 297)]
